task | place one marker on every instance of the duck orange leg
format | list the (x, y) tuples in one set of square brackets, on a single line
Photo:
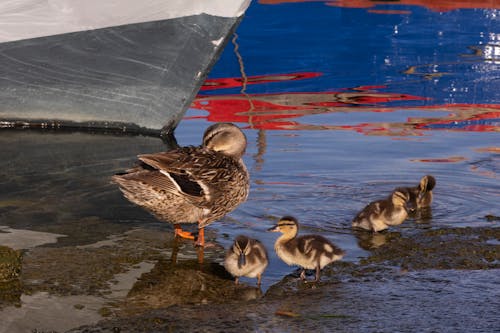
[(200, 244), (182, 233), (200, 241)]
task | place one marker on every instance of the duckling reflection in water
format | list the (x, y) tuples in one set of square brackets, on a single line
[(308, 251), (191, 184), (379, 215), (373, 240), (246, 257)]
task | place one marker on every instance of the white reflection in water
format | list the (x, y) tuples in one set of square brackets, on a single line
[(19, 239), (492, 49), (45, 312)]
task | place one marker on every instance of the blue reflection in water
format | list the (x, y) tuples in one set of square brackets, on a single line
[(372, 101), (454, 53), (340, 106)]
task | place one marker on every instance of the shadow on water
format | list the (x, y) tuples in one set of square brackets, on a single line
[(70, 240)]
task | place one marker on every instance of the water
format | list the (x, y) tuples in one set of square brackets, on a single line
[(340, 105)]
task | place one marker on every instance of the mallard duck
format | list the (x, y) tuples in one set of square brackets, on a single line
[(246, 257), (308, 251), (379, 215), (421, 195), (191, 184)]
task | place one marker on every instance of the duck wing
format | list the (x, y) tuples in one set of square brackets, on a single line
[(374, 208), (193, 172), (315, 246)]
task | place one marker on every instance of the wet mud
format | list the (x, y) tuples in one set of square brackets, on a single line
[(88, 269), (423, 280)]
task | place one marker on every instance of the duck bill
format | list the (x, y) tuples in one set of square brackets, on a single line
[(410, 207), (274, 229), (242, 260)]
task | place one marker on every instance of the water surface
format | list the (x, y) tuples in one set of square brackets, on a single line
[(340, 106)]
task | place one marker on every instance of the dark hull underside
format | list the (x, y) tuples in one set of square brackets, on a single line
[(131, 77)]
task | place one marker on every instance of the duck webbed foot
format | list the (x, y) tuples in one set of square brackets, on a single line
[(182, 233), (318, 274), (303, 275)]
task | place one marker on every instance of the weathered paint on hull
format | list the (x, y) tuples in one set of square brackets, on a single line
[(131, 77)]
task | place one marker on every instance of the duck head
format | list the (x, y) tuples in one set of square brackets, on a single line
[(225, 138), (288, 225), (427, 183), (424, 197)]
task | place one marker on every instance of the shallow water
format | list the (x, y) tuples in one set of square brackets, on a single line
[(340, 105)]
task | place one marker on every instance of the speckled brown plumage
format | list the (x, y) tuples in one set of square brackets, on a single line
[(191, 184)]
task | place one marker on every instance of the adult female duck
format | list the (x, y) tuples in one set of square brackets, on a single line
[(192, 184)]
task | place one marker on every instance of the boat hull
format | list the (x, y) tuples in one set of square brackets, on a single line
[(131, 77)]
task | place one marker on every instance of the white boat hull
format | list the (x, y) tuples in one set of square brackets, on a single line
[(133, 76)]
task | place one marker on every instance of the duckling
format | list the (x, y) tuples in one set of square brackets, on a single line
[(191, 184), (379, 215), (421, 195), (308, 251), (246, 257)]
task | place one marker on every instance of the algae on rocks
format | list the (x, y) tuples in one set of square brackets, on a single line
[(10, 271)]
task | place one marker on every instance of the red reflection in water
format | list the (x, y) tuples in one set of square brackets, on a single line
[(473, 117), (451, 159), (233, 82), (438, 6), (274, 111), (493, 150), (281, 111)]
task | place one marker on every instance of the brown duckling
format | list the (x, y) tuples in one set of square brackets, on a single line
[(379, 215), (308, 251), (421, 195), (191, 184), (246, 257)]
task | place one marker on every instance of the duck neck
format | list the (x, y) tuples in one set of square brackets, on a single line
[(283, 239)]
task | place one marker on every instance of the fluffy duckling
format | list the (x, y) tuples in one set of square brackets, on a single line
[(191, 184), (379, 215), (421, 195), (308, 251), (246, 257)]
